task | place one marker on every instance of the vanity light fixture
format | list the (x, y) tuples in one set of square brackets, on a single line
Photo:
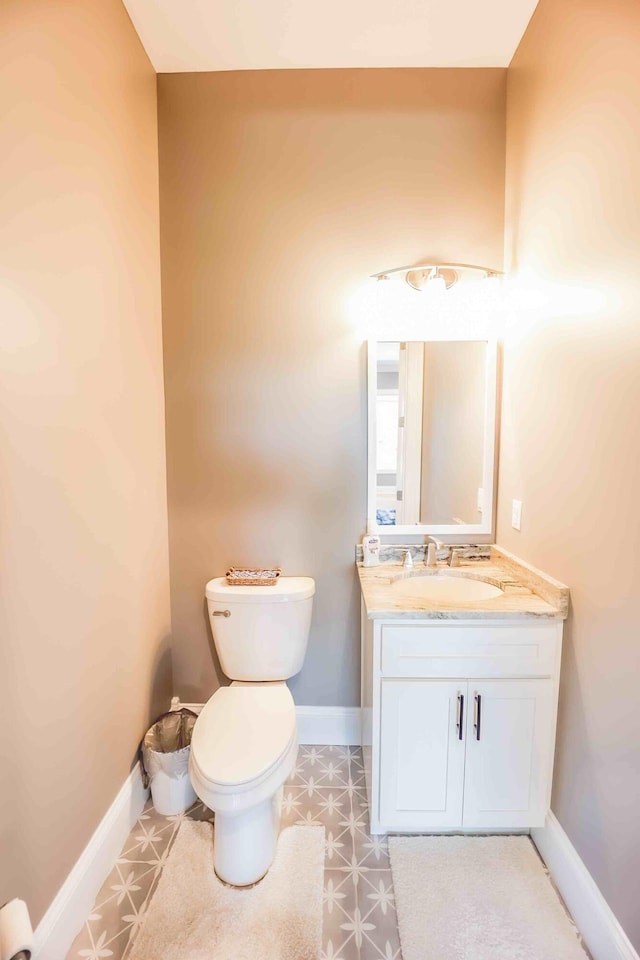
[(438, 276)]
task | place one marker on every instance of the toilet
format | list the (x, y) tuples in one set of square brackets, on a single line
[(244, 743)]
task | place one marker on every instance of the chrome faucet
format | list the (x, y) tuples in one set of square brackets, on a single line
[(433, 545), (407, 559)]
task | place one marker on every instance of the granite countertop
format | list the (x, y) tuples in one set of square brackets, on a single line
[(528, 593)]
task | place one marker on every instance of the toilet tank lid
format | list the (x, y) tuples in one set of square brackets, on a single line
[(286, 590)]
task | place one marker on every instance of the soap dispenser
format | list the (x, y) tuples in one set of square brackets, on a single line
[(370, 550)]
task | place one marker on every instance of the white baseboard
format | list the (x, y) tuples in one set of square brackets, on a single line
[(335, 726), (595, 920), (63, 920)]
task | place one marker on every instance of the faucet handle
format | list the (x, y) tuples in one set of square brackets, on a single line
[(407, 559), (454, 559)]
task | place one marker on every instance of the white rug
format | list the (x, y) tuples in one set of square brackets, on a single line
[(194, 916), (478, 898)]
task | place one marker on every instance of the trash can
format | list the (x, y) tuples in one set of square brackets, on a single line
[(164, 757)]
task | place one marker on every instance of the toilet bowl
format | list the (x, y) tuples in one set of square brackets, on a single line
[(243, 748), (244, 743)]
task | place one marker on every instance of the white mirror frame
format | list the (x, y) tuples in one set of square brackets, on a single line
[(488, 466)]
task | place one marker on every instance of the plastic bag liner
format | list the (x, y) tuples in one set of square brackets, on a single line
[(166, 745)]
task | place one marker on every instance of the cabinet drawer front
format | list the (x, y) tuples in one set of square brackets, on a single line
[(456, 650)]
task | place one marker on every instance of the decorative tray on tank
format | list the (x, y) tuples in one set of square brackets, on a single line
[(253, 576)]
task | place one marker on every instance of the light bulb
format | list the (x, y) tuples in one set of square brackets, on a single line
[(436, 285)]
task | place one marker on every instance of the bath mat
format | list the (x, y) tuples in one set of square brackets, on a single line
[(478, 898), (194, 916)]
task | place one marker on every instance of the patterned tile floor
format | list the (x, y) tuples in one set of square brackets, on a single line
[(326, 787)]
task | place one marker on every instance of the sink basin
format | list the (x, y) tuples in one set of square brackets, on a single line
[(446, 589)]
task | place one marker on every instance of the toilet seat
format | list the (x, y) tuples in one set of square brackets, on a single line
[(244, 744)]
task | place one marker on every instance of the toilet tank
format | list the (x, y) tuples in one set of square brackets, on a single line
[(261, 633)]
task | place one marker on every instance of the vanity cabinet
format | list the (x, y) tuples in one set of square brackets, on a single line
[(459, 723)]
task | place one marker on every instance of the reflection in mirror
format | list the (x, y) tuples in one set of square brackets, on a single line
[(430, 419)]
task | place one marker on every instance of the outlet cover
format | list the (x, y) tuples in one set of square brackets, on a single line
[(516, 514)]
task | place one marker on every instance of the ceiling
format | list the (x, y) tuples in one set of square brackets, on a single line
[(192, 35)]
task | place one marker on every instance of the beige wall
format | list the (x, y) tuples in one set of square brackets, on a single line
[(84, 615), (280, 192), (570, 440)]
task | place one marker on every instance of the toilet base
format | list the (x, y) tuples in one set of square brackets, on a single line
[(244, 844)]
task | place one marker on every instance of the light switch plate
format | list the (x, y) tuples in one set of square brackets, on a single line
[(516, 514)]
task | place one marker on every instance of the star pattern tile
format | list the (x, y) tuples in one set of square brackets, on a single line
[(326, 787)]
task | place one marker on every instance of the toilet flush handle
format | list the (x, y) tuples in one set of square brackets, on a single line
[(221, 613)]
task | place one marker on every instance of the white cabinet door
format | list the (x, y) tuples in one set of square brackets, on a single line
[(421, 754), (508, 734)]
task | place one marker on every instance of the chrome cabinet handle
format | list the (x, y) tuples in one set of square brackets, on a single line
[(477, 713), (221, 613), (459, 715)]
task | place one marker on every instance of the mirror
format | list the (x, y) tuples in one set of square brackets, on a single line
[(432, 408)]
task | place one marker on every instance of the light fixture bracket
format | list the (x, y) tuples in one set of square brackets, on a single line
[(419, 275)]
